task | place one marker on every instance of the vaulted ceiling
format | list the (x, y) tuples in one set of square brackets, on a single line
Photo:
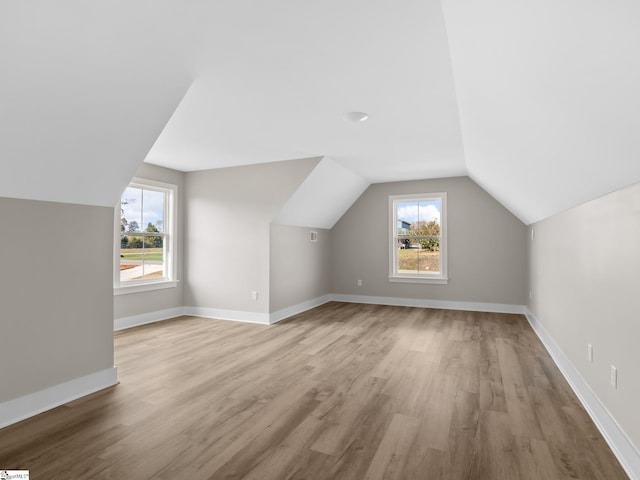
[(536, 101)]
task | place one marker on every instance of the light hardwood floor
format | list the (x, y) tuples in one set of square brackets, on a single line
[(344, 391)]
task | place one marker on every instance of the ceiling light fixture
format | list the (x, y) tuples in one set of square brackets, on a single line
[(356, 116)]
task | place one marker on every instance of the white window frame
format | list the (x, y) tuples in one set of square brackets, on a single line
[(170, 241), (394, 275)]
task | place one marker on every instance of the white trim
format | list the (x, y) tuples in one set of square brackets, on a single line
[(144, 287), (170, 242), (621, 445), (419, 279), (140, 182), (145, 318), (278, 316), (425, 303), (287, 312), (235, 315), (22, 408)]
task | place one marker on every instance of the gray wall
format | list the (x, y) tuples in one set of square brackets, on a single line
[(228, 215), (585, 279), (56, 294), (155, 300), (487, 246), (299, 268)]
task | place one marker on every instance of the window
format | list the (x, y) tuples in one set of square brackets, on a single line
[(146, 237), (418, 245)]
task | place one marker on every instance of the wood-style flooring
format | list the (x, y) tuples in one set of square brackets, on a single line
[(344, 391)]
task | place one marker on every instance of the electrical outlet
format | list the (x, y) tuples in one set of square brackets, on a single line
[(254, 295), (359, 283), (590, 352), (530, 295), (533, 234), (614, 377)]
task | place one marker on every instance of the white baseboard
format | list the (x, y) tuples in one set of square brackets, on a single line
[(235, 315), (425, 303), (299, 308), (622, 447), (274, 317), (22, 408), (150, 317)]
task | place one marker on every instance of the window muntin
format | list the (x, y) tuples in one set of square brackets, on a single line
[(418, 238), (146, 239)]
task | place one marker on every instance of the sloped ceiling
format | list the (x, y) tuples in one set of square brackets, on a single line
[(549, 98), (536, 101), (323, 197), (85, 90)]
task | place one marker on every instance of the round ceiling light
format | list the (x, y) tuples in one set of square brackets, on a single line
[(356, 116)]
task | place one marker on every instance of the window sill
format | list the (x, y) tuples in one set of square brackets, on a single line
[(419, 279), (144, 287)]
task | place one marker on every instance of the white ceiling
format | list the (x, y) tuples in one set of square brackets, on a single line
[(549, 96), (314, 204), (275, 80), (80, 100), (536, 101)]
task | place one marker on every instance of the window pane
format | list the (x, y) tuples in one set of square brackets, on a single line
[(419, 256), (141, 257), (153, 211), (408, 259), (407, 215), (429, 261), (429, 217), (153, 261), (131, 208)]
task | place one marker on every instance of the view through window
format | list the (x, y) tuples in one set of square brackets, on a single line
[(143, 234), (418, 247)]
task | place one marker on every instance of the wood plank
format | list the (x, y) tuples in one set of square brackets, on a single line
[(524, 422), (389, 459), (534, 459), (498, 459)]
